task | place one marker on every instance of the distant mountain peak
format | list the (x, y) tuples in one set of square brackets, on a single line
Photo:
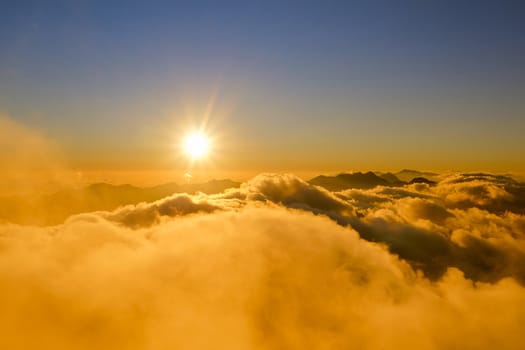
[(409, 174), (345, 181), (422, 180)]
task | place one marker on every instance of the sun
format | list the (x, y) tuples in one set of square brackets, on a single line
[(196, 145)]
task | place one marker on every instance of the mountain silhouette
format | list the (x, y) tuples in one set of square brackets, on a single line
[(392, 179), (55, 208), (422, 180), (408, 174), (354, 180)]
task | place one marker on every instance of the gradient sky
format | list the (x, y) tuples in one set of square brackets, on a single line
[(289, 85)]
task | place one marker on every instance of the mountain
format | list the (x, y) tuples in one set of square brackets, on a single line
[(422, 180), (55, 208), (392, 179), (408, 174), (345, 181)]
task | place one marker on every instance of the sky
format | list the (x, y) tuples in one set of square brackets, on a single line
[(299, 86)]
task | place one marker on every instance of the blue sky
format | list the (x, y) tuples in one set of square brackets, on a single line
[(354, 83)]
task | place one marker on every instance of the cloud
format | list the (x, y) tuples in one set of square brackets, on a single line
[(251, 278), (417, 222), (147, 214), (494, 193), (275, 264)]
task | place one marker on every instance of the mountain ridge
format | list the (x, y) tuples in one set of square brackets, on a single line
[(50, 209)]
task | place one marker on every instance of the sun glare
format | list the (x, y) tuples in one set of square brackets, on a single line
[(196, 145)]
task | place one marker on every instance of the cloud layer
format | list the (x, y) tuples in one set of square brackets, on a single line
[(276, 264)]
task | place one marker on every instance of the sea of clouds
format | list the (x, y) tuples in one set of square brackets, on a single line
[(276, 264)]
